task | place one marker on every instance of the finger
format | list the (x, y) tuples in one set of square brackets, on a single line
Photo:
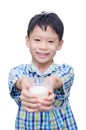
[(30, 110), (31, 105), (25, 83), (44, 108), (47, 103), (27, 94), (30, 99), (49, 98), (25, 86), (50, 91)]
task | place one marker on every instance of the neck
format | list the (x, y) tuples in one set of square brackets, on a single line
[(42, 66)]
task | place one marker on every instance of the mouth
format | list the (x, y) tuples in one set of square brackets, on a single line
[(42, 55)]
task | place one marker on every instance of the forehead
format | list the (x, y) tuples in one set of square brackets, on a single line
[(44, 28), (49, 31)]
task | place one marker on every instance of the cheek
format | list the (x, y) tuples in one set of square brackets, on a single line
[(53, 48), (53, 51), (33, 46)]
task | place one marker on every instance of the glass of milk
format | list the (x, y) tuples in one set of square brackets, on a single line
[(40, 89)]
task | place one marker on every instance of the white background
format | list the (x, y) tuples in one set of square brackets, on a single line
[(14, 18)]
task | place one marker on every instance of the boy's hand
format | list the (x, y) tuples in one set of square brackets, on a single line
[(29, 101), (47, 102), (54, 82)]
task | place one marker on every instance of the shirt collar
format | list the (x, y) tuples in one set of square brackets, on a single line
[(51, 69)]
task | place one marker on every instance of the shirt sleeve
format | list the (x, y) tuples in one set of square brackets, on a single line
[(14, 74), (66, 73)]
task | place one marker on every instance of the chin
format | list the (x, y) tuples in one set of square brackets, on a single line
[(44, 62)]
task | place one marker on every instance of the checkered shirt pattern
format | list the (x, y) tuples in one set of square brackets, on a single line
[(61, 116)]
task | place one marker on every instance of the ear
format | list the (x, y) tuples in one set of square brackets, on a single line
[(27, 41), (60, 45)]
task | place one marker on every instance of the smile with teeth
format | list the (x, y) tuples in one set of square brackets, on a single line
[(42, 54)]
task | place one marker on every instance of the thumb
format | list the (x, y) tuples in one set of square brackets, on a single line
[(50, 91), (25, 83)]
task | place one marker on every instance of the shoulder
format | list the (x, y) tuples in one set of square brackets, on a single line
[(63, 66), (20, 67)]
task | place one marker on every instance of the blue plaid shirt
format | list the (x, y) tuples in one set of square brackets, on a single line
[(61, 116)]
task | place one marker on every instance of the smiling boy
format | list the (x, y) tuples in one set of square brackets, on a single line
[(44, 39)]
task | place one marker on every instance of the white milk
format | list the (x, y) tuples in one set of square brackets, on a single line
[(40, 91)]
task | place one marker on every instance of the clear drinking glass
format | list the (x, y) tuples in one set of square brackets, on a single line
[(40, 89)]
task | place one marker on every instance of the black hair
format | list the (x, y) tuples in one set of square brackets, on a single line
[(46, 19)]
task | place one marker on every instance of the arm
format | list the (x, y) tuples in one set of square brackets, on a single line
[(62, 81), (14, 75), (66, 74), (18, 87)]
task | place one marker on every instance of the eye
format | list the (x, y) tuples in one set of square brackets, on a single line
[(37, 39), (50, 41)]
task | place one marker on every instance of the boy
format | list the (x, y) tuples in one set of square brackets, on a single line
[(44, 39)]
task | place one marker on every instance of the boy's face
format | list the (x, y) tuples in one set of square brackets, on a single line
[(43, 45)]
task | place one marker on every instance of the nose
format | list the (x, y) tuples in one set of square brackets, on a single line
[(43, 45)]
